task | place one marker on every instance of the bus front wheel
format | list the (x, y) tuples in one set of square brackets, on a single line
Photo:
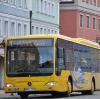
[(69, 88), (23, 95)]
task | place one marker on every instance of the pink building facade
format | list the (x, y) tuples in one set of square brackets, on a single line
[(80, 19)]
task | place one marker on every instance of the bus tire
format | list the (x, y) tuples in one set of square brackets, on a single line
[(69, 88), (91, 92), (23, 95), (58, 94)]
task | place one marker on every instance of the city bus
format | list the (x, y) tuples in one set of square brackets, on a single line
[(55, 64)]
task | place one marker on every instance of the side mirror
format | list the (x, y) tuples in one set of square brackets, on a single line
[(60, 52)]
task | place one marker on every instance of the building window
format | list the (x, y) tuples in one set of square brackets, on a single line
[(94, 23), (12, 28), (49, 8), (37, 30), (48, 5), (99, 24), (6, 1), (45, 7), (87, 21), (52, 10), (41, 30), (0, 27), (33, 30), (87, 1), (55, 32), (41, 6), (94, 2), (19, 3), (19, 29), (25, 4), (25, 29), (48, 31), (91, 2), (52, 31), (45, 31), (13, 2), (83, 0), (81, 20), (6, 28)]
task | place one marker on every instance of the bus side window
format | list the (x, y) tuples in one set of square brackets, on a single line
[(61, 57)]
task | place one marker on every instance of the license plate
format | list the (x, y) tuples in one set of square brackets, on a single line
[(29, 89)]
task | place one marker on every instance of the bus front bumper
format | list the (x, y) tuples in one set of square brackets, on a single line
[(36, 87)]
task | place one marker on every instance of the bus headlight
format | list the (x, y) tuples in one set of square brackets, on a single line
[(51, 84), (9, 85)]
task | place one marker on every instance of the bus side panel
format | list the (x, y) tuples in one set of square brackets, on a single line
[(97, 81)]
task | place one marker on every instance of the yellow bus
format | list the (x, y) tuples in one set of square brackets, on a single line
[(53, 64)]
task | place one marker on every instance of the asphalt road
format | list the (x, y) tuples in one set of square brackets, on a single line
[(73, 96)]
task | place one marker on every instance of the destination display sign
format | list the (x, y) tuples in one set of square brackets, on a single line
[(30, 42)]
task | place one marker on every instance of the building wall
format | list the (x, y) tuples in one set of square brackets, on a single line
[(84, 8), (68, 23), (88, 33), (11, 15), (45, 16)]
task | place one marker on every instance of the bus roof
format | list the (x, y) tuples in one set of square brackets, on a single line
[(75, 40), (82, 41), (87, 42)]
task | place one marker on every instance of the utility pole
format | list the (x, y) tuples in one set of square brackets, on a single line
[(30, 13)]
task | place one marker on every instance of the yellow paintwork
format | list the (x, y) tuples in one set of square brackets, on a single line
[(39, 83)]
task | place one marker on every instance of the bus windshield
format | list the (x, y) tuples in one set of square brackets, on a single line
[(30, 57)]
